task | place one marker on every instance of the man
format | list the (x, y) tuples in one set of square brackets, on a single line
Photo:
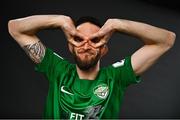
[(83, 90)]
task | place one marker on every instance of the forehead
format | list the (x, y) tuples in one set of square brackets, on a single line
[(88, 28)]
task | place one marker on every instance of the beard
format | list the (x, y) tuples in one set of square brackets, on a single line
[(89, 61)]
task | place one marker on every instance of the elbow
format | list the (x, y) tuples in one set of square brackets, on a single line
[(12, 28), (170, 40)]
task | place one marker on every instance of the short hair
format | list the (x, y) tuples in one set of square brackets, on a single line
[(90, 19)]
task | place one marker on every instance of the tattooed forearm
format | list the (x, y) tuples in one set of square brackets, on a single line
[(35, 51)]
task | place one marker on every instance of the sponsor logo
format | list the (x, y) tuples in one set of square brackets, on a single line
[(76, 116), (101, 91), (65, 91), (93, 111)]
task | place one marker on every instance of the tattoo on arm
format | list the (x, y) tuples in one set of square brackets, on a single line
[(35, 51)]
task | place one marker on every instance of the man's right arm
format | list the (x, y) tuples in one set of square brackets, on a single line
[(24, 31)]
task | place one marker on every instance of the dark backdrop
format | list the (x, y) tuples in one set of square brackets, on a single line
[(23, 91)]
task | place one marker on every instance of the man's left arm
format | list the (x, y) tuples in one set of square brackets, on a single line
[(156, 41)]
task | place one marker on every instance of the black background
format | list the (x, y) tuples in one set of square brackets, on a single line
[(23, 91)]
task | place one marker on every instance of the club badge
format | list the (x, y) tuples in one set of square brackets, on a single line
[(101, 91)]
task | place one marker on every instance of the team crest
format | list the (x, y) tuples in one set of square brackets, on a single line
[(101, 91)]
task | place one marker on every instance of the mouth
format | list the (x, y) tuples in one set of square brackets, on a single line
[(86, 53), (86, 56)]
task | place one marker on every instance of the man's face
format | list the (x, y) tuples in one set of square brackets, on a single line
[(86, 56)]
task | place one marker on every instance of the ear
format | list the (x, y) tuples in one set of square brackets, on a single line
[(104, 50), (70, 48)]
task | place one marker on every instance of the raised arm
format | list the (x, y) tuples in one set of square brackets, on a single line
[(24, 30), (156, 41)]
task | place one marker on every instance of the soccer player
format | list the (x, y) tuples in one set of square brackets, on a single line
[(84, 90)]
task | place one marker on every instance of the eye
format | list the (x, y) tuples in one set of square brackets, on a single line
[(95, 40), (78, 39)]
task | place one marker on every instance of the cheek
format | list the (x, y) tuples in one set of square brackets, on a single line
[(96, 52), (74, 52)]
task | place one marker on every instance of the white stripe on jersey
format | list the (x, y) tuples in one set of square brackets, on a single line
[(118, 64), (58, 55)]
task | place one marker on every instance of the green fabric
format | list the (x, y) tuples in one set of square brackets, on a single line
[(70, 97)]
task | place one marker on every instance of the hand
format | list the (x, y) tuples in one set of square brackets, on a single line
[(73, 36), (102, 36)]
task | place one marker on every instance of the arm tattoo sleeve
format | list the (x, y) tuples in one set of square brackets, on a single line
[(35, 51)]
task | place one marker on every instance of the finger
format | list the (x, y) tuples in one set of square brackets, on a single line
[(68, 27), (80, 38), (99, 35), (69, 34), (100, 43), (81, 35), (73, 42), (107, 37)]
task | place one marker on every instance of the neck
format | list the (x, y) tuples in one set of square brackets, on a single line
[(89, 74)]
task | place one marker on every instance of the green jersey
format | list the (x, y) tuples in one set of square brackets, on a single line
[(70, 97)]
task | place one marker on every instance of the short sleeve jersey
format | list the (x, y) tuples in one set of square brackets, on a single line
[(70, 97)]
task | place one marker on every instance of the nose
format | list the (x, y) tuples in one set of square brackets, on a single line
[(86, 45)]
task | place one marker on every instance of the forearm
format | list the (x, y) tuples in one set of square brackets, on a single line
[(147, 33), (24, 30), (157, 41), (30, 25)]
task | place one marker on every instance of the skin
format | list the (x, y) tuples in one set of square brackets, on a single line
[(156, 40), (86, 53)]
